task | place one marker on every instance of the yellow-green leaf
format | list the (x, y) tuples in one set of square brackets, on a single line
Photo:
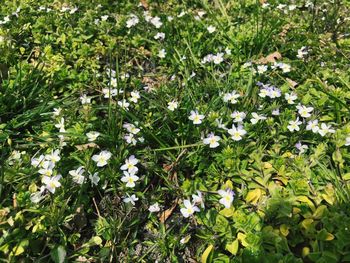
[(254, 195), (305, 199), (284, 229), (227, 212), (346, 176), (206, 253), (232, 247), (18, 250), (319, 212), (307, 223), (241, 237)]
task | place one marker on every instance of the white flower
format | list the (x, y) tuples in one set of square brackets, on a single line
[(301, 147), (290, 97), (262, 69), (160, 36), (156, 22), (172, 105), (92, 136), (102, 158), (123, 104), (281, 6), (274, 93), (54, 156), (56, 111), (347, 141), (189, 209), (198, 199), (132, 21), (292, 7), (130, 138), (129, 179), (294, 125), (226, 197), (104, 18), (51, 183), (285, 67), (264, 93), (325, 129), (236, 133), (130, 199), (109, 92), (38, 196), (60, 124), (228, 51), (182, 14), (212, 140), (238, 116), (302, 52), (220, 124), (276, 112), (37, 161), (231, 97), (196, 117), (154, 208), (304, 111), (135, 95), (94, 178), (201, 13), (47, 168), (85, 99), (78, 175), (130, 165), (312, 125), (218, 58), (131, 128), (162, 53), (256, 118), (211, 29)]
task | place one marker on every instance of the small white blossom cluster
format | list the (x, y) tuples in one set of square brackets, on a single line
[(60, 126), (50, 178), (130, 170), (68, 9), (7, 19), (191, 207), (269, 91), (130, 137), (132, 21), (215, 58), (231, 97), (261, 69)]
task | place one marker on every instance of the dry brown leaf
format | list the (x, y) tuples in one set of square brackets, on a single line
[(85, 146), (292, 83), (165, 214), (144, 4), (262, 1), (271, 58)]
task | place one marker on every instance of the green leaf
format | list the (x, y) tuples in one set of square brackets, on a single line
[(58, 254)]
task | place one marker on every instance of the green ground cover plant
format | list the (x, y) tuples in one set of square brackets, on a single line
[(175, 131)]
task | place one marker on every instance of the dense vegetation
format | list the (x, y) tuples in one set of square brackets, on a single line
[(174, 131)]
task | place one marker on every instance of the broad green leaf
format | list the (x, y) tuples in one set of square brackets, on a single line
[(58, 254)]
